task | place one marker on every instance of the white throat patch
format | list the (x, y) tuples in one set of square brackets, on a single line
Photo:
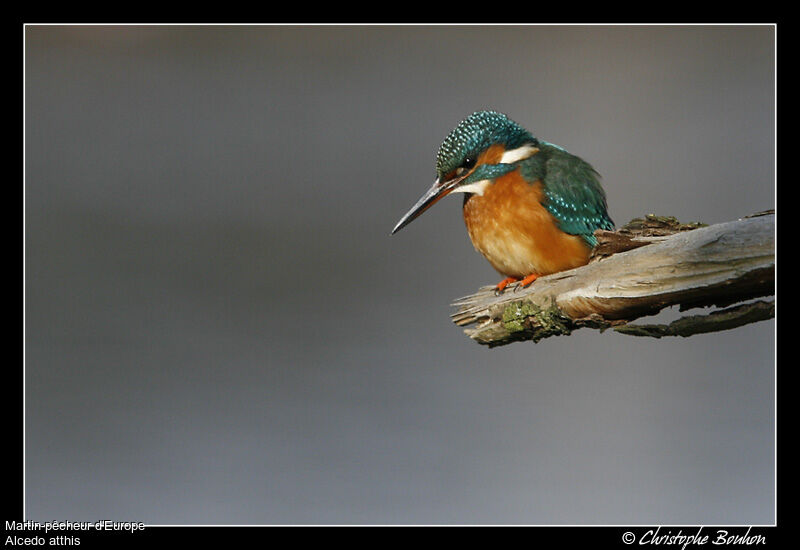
[(476, 187)]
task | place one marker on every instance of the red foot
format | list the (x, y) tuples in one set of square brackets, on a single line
[(528, 280), (501, 286)]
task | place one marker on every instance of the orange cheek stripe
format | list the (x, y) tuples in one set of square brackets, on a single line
[(492, 155)]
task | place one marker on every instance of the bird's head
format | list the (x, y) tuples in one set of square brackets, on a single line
[(483, 146)]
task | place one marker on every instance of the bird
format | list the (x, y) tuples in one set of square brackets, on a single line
[(530, 207)]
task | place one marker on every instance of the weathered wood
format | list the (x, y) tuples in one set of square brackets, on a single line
[(638, 271), (638, 232), (724, 319)]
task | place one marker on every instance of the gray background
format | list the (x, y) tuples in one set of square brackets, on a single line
[(219, 329)]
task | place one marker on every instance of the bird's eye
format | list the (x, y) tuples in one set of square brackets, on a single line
[(468, 163)]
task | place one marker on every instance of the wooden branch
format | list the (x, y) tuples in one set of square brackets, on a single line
[(651, 263), (715, 321)]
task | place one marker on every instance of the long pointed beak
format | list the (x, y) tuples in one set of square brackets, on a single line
[(437, 191)]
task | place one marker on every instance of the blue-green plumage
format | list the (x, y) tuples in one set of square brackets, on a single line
[(572, 190)]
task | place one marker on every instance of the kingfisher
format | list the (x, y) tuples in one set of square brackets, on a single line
[(530, 207)]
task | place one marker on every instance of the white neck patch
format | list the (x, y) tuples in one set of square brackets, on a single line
[(514, 155)]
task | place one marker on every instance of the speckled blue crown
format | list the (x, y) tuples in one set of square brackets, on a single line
[(476, 133)]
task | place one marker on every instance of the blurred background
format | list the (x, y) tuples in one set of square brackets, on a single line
[(219, 329)]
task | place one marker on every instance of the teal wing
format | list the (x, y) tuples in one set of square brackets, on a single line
[(573, 194)]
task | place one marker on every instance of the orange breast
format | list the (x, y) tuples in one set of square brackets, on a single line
[(519, 237)]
